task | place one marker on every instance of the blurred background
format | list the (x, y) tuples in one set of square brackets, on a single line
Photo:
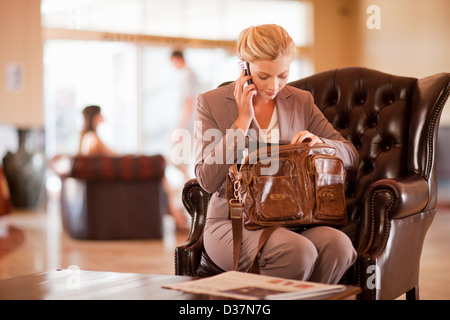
[(116, 53)]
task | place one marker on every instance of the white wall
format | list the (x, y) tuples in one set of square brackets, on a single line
[(21, 102), (414, 39)]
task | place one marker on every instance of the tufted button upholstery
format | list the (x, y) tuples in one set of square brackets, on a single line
[(391, 196), (372, 110), (111, 198)]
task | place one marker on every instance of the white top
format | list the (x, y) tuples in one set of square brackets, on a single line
[(87, 143), (272, 133)]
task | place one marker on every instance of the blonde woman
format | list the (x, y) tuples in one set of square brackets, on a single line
[(279, 114)]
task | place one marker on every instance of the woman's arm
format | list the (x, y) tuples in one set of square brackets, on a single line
[(216, 149), (320, 126), (92, 145), (320, 130)]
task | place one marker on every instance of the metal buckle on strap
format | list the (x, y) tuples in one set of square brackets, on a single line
[(235, 209)]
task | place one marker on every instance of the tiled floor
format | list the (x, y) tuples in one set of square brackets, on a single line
[(42, 245), (37, 243)]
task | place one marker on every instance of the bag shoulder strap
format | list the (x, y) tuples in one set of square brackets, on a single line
[(254, 268), (236, 225)]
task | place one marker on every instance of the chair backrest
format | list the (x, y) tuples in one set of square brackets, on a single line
[(391, 120), (109, 168)]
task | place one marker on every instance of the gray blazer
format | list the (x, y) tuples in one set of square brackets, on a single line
[(218, 143)]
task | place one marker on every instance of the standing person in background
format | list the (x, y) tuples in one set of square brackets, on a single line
[(189, 90)]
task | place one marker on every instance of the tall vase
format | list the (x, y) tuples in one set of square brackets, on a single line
[(25, 173)]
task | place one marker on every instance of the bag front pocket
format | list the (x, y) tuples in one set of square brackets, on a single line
[(277, 195), (329, 188)]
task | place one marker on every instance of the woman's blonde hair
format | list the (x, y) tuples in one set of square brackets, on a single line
[(265, 42)]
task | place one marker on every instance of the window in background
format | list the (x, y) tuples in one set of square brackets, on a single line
[(134, 82), (201, 19), (81, 73)]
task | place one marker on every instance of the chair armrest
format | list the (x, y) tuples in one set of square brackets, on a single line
[(61, 165), (187, 255), (389, 199), (195, 200)]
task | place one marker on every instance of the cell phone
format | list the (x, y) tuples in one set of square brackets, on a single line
[(244, 65)]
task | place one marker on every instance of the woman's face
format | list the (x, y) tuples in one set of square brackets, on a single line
[(97, 120), (270, 76)]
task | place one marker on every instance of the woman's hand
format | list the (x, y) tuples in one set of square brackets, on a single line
[(244, 100), (301, 136)]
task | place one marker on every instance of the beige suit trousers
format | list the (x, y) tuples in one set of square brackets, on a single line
[(319, 254)]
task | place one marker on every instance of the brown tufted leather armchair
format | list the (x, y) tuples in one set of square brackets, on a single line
[(391, 198)]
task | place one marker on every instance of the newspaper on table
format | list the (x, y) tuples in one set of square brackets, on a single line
[(248, 286)]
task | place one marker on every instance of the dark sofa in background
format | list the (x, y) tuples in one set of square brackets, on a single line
[(112, 198)]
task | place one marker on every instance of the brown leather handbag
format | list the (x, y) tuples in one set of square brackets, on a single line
[(285, 186)]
